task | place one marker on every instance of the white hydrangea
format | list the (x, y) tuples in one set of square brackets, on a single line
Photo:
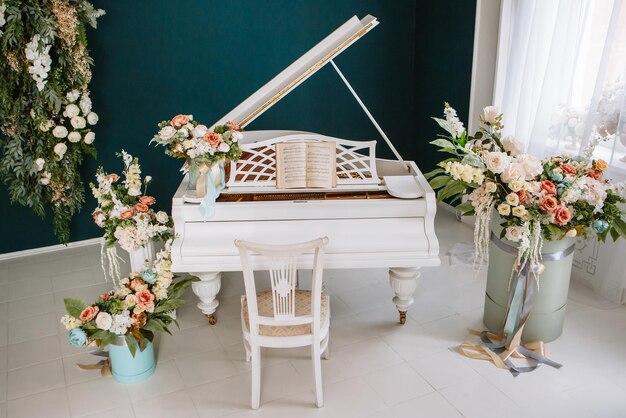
[(121, 323), (40, 61)]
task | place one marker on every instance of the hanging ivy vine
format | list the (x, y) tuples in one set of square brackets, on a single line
[(45, 108)]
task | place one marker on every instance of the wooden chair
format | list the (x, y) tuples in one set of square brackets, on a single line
[(284, 316)]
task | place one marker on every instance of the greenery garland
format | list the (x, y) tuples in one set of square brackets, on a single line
[(45, 109)]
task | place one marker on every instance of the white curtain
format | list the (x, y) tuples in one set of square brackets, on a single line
[(560, 77)]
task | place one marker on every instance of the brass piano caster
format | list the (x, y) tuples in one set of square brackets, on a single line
[(212, 319), (402, 317)]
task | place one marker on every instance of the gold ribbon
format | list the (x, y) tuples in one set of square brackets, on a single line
[(201, 183), (103, 365)]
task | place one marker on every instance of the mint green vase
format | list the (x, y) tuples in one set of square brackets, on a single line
[(128, 369), (547, 317)]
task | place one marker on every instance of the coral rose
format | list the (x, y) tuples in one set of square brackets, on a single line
[(139, 320), (601, 165), (89, 313), (140, 207), (135, 283), (567, 169), (112, 177), (179, 120), (147, 200), (213, 139), (548, 204), (105, 296), (233, 125), (127, 214), (549, 187), (522, 196), (145, 299), (562, 215), (594, 174)]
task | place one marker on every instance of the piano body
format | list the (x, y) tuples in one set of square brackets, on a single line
[(381, 214)]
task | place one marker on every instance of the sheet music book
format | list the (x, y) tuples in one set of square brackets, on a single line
[(306, 165)]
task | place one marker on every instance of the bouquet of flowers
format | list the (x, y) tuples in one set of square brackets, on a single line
[(136, 308), (536, 199), (124, 212), (184, 137)]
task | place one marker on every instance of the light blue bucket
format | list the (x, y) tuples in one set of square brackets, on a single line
[(128, 369)]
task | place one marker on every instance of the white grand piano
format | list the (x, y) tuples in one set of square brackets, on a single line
[(381, 214)]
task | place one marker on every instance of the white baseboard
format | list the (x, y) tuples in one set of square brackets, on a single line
[(49, 249)]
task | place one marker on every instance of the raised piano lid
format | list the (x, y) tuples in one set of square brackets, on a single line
[(318, 56)]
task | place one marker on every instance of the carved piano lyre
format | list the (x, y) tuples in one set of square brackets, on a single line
[(381, 214)]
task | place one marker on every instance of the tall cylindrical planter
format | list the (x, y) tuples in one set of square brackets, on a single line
[(128, 369), (545, 322), (141, 256)]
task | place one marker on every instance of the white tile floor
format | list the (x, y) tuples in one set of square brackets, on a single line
[(377, 367)]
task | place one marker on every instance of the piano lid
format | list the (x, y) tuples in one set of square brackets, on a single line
[(318, 56)]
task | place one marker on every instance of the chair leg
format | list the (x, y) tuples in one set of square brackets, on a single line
[(317, 374), (326, 353), (256, 377)]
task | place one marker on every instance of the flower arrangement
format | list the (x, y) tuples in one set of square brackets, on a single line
[(536, 199), (124, 212), (184, 137), (44, 69), (136, 308)]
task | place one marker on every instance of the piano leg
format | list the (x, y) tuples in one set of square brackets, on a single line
[(206, 290), (403, 281)]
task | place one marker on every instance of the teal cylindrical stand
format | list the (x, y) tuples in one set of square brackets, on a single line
[(547, 317), (128, 369)]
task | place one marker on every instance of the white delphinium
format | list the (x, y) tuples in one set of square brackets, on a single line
[(121, 323), (70, 322), (133, 179), (40, 61), (456, 126), (463, 172)]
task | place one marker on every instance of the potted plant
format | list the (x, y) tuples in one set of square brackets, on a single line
[(126, 319)]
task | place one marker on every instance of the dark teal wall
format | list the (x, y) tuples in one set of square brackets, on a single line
[(156, 58)]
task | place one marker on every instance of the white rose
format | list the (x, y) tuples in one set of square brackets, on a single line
[(516, 185), (490, 114), (236, 136), (71, 110), (72, 96), (92, 118), (89, 137), (490, 187), (162, 217), (130, 300), (497, 161), (513, 172), (46, 125), (85, 104), (504, 209), (223, 147), (39, 163), (512, 145), (199, 131), (188, 143), (74, 137), (519, 211), (571, 233), (104, 321), (60, 149), (78, 122), (59, 131), (512, 199), (184, 132), (167, 132), (45, 178), (514, 233)]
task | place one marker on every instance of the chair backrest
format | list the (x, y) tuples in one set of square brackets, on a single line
[(282, 261)]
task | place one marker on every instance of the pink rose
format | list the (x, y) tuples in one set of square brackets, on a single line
[(562, 215), (213, 139), (548, 204), (179, 120), (140, 207), (145, 299), (89, 313), (147, 200)]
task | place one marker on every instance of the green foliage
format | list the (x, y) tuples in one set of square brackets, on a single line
[(23, 108), (74, 306)]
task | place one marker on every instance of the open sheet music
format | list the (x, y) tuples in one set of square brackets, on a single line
[(306, 165)]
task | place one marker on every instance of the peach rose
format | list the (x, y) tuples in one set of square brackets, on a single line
[(601, 165), (562, 215), (213, 139), (112, 177), (140, 207), (127, 214), (179, 120), (548, 204), (139, 320), (145, 299), (89, 313), (135, 283), (522, 196), (567, 169), (549, 187), (233, 125), (147, 200), (105, 296)]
